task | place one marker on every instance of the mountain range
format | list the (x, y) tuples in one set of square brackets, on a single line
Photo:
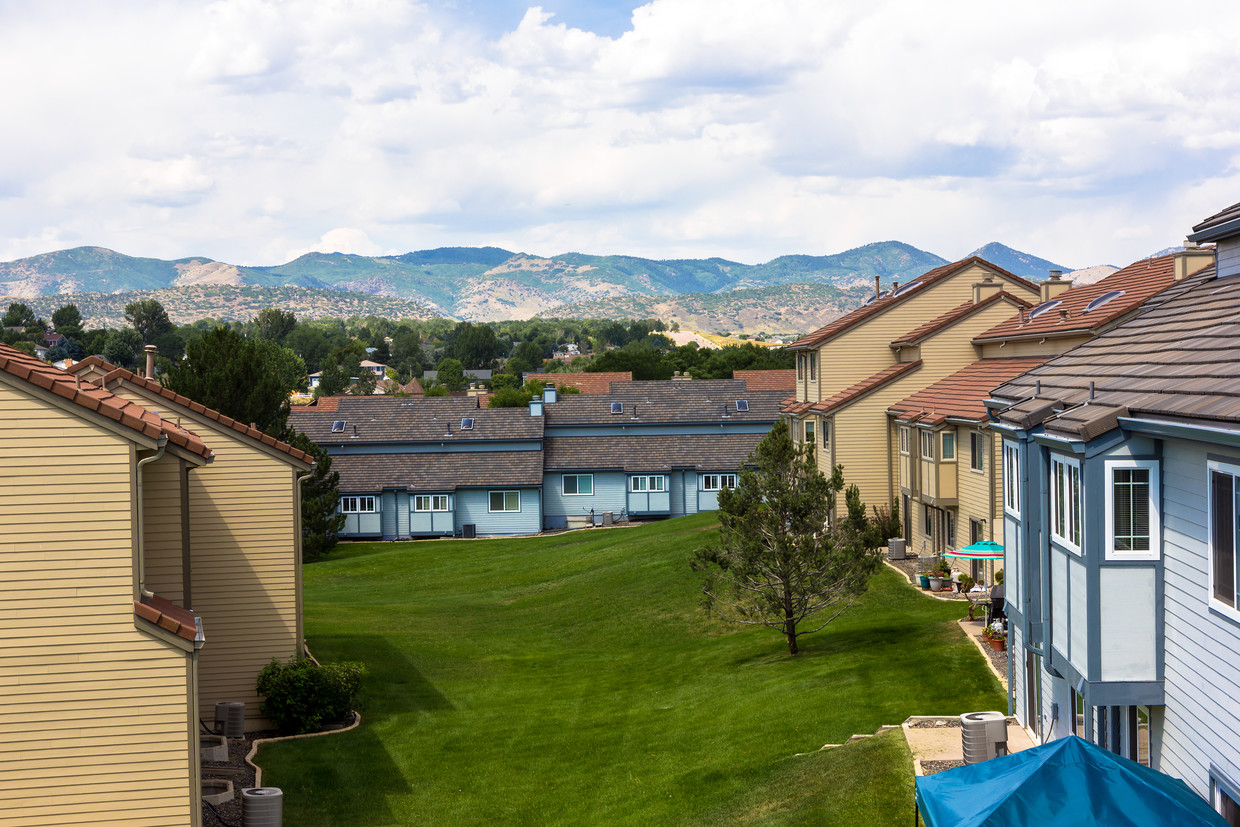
[(483, 284)]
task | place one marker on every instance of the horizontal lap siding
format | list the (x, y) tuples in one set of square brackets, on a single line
[(244, 567), (1202, 649), (94, 724), (472, 507), (609, 495), (162, 539)]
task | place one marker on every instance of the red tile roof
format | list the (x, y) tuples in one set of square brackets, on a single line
[(585, 382), (956, 314), (865, 386), (115, 374), (1138, 282), (962, 395), (167, 615), (100, 400), (923, 282), (767, 380)]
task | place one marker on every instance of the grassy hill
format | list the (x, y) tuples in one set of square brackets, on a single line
[(573, 679)]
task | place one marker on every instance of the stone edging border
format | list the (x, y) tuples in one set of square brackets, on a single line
[(258, 771), (986, 657), (917, 588)]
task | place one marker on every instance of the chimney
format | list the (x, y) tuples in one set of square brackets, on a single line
[(536, 407), (550, 395), (151, 350), (1053, 286), (986, 288), (1192, 259)]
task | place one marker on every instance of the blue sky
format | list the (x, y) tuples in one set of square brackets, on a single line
[(251, 131)]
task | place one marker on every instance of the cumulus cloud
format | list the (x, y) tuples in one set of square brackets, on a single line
[(742, 128)]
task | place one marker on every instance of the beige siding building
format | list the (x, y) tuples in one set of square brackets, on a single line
[(244, 571)]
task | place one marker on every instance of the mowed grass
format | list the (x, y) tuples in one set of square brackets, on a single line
[(574, 679)]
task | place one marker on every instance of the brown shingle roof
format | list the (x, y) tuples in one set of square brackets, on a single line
[(167, 615), (426, 419), (767, 380), (1217, 225), (866, 386), (956, 314), (438, 471), (642, 454), (699, 400), (99, 400), (585, 382), (1139, 282), (115, 374), (923, 282), (1179, 358), (962, 395)]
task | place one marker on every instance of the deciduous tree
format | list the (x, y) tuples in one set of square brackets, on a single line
[(778, 563)]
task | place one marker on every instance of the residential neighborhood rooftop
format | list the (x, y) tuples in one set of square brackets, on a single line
[(362, 419), (962, 395), (646, 453), (710, 400), (584, 382), (865, 386), (957, 314), (441, 471), (768, 380)]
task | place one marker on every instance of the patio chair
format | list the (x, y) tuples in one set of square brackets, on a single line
[(995, 611)]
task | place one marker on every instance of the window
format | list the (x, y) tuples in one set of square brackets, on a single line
[(715, 482), (826, 431), (904, 439), (976, 532), (800, 366), (813, 367), (1132, 510), (1109, 296), (809, 432), (950, 525), (1066, 502), (639, 484), (927, 445), (1226, 805), (578, 484), (430, 502), (907, 288), (1011, 478), (1139, 735), (338, 426), (949, 446), (1223, 493), (617, 407), (977, 450), (357, 505), (742, 405), (1044, 307), (505, 501), (467, 423), (927, 520)]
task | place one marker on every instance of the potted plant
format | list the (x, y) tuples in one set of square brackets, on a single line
[(936, 578), (996, 636)]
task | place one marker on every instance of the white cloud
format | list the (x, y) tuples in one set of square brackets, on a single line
[(349, 240), (744, 128)]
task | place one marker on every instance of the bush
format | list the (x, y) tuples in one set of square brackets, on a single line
[(302, 696)]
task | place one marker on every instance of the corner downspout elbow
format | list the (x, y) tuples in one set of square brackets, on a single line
[(141, 530)]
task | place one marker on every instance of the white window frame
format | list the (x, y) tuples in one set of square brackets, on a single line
[(718, 482), (826, 431), (904, 439), (1227, 469), (947, 438), (813, 367), (977, 451), (800, 366), (505, 493), (1061, 486), (648, 484), (927, 521), (1011, 478), (1155, 550), (358, 504), (927, 444), (436, 502), (577, 478), (809, 431), (949, 526)]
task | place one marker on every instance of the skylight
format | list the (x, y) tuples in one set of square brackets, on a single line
[(742, 404), (617, 407), (1103, 299), (1042, 308), (906, 288), (467, 423), (873, 299), (338, 426)]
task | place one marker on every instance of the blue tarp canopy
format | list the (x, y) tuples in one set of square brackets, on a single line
[(1063, 783)]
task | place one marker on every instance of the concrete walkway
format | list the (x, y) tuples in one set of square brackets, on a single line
[(943, 743)]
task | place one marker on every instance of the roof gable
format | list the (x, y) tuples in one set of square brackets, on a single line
[(956, 314), (963, 394), (865, 387)]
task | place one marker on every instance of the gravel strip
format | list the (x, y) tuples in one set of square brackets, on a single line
[(934, 723), (931, 767), (236, 770)]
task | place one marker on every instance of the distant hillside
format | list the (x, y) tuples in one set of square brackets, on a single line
[(1014, 261), (229, 303), (786, 309)]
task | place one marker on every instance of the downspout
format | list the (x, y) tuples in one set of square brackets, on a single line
[(141, 530)]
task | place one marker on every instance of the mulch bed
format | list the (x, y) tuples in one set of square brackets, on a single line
[(236, 770)]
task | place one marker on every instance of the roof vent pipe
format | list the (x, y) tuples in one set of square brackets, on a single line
[(1091, 390), (151, 350), (1037, 388), (877, 286)]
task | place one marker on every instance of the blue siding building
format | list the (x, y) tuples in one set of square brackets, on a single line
[(1121, 517)]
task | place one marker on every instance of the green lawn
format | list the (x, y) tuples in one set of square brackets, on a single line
[(574, 679)]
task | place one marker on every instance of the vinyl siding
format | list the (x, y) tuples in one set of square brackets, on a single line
[(609, 495), (245, 570), (1227, 254), (976, 494), (95, 725), (472, 506), (1202, 648), (161, 491)]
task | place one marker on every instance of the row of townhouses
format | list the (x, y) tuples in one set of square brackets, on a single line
[(443, 466), (150, 561)]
